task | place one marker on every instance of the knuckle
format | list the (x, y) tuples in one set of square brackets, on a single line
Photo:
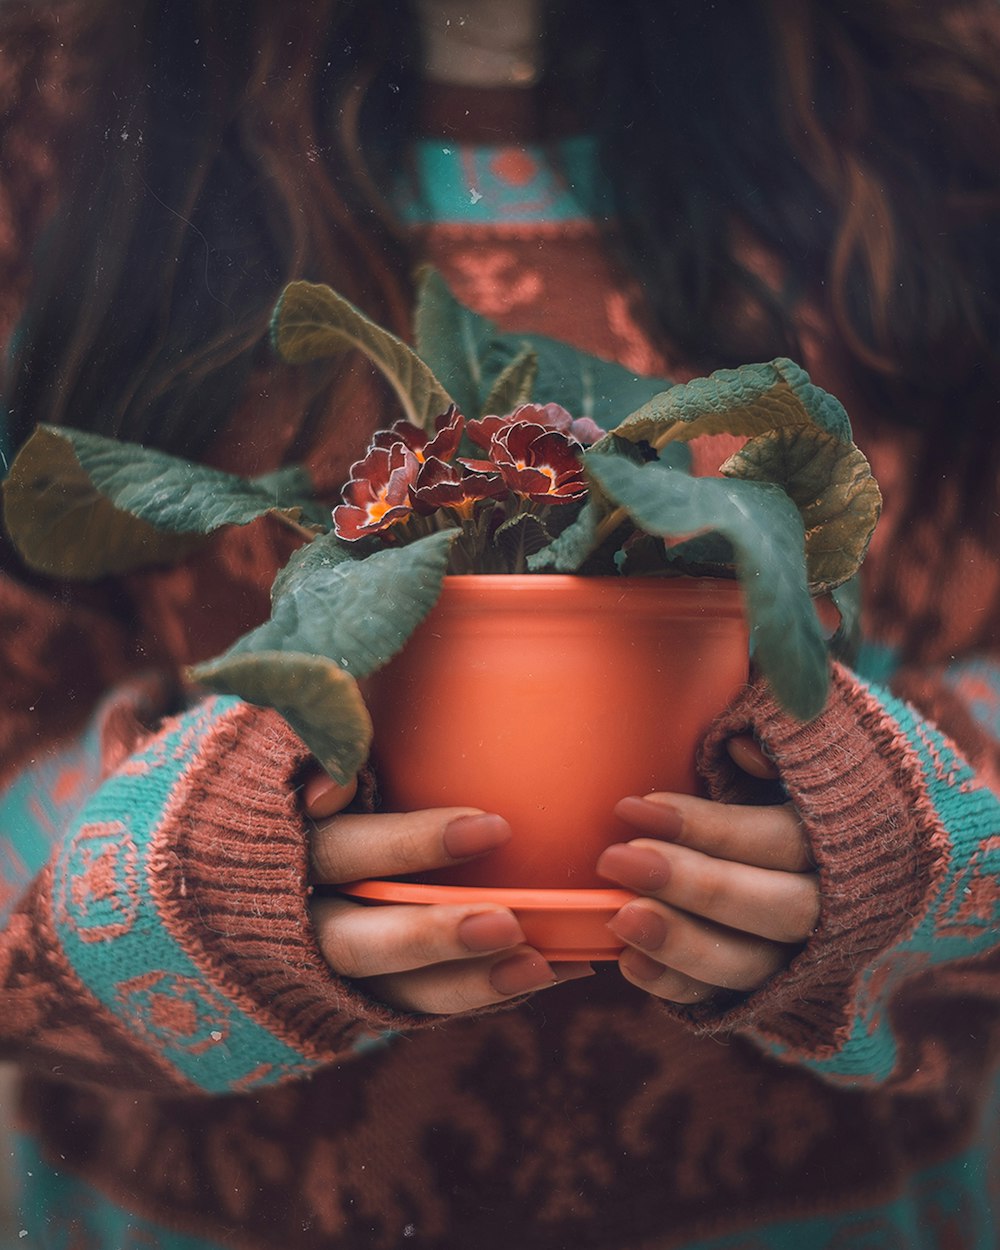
[(329, 929), (322, 853)]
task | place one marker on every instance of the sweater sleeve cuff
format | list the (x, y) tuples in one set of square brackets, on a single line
[(180, 903), (876, 841), (232, 879)]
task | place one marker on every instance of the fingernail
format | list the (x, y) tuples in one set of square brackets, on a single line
[(657, 818), (571, 971), (490, 931), (636, 867), (639, 927), (522, 973), (322, 796), (472, 835)]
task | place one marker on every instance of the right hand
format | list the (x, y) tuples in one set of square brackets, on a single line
[(437, 959)]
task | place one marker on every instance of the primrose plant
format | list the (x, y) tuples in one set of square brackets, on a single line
[(513, 454)]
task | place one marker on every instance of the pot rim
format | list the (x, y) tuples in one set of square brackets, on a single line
[(715, 595)]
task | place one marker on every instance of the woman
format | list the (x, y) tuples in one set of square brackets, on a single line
[(796, 1046)]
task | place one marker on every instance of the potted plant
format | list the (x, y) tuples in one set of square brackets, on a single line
[(532, 607)]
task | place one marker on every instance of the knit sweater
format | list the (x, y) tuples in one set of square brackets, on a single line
[(196, 1075)]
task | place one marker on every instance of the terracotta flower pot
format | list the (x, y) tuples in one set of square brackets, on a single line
[(546, 699)]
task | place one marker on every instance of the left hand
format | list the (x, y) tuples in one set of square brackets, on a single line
[(729, 893)]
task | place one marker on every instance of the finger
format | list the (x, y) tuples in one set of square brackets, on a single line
[(388, 844), (445, 989), (359, 941), (782, 906), (647, 974), (746, 753), (769, 837), (322, 796), (697, 948)]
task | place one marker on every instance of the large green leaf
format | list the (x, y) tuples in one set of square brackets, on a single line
[(745, 401), (585, 385), (358, 613), (292, 486), (320, 701), (312, 322), (831, 484), (80, 505), (453, 341), (324, 552), (514, 386), (468, 353), (765, 530)]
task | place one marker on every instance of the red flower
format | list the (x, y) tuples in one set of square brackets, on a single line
[(550, 416), (448, 433), (377, 495), (441, 485), (538, 464)]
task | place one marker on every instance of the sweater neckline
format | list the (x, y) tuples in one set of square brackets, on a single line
[(512, 183)]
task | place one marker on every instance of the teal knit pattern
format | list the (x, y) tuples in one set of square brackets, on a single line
[(110, 929), (36, 808)]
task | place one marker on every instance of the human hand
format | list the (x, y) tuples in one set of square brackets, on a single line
[(434, 959), (729, 894)]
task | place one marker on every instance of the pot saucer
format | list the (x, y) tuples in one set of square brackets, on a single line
[(561, 924)]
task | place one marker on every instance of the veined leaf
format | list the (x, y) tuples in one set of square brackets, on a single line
[(324, 552), (520, 537), (746, 401), (566, 553), (292, 486), (312, 321), (469, 354), (453, 341), (321, 702), (585, 385), (514, 386), (831, 484), (765, 529), (358, 613), (80, 505)]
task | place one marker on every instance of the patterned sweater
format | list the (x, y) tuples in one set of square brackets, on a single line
[(197, 1078)]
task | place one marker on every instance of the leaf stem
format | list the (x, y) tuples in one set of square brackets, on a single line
[(296, 528)]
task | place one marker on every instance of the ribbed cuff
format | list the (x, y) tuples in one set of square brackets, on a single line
[(230, 872), (875, 839)]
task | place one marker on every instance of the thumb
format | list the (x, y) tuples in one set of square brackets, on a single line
[(745, 752), (322, 796)]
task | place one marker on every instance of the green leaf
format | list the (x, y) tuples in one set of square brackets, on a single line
[(469, 354), (292, 486), (585, 385), (846, 642), (765, 529), (831, 484), (708, 554), (520, 537), (453, 341), (80, 505), (312, 321), (324, 552), (358, 613), (566, 553), (746, 401), (514, 385), (321, 702)]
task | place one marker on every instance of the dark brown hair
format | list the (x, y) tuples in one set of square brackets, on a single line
[(858, 142)]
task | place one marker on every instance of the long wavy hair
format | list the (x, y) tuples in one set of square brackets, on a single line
[(858, 142)]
